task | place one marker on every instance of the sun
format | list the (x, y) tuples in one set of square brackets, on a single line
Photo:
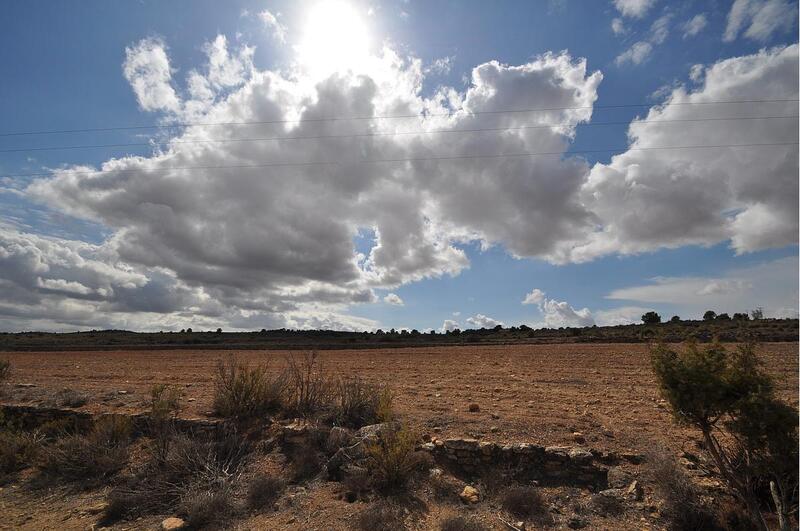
[(335, 38)]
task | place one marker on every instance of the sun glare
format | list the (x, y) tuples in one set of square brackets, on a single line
[(335, 37)]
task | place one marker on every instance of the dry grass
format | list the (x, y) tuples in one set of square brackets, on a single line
[(393, 461), (381, 516), (263, 491), (523, 502), (244, 392), (358, 403), (460, 523)]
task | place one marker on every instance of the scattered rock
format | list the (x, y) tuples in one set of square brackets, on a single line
[(474, 408), (618, 478), (494, 429), (24, 385), (375, 430), (633, 458), (470, 495), (635, 491), (172, 523), (578, 437), (495, 416)]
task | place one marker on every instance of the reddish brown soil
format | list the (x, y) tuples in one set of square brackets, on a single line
[(534, 393), (540, 393)]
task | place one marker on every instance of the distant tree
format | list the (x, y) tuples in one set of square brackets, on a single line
[(497, 328), (219, 330), (674, 319), (741, 317), (524, 328), (188, 330), (723, 317), (263, 330), (710, 315), (183, 330), (651, 318), (757, 314)]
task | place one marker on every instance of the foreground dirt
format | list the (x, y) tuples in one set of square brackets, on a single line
[(531, 393)]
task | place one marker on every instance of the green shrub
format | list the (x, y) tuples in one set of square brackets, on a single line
[(393, 460), (243, 392), (750, 435)]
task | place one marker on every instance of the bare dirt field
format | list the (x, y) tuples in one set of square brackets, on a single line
[(527, 393)]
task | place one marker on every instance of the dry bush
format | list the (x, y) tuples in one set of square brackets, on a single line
[(165, 401), (263, 491), (95, 456), (5, 369), (203, 508), (191, 466), (523, 502), (381, 516), (605, 505), (18, 450), (310, 389), (357, 483), (460, 523), (244, 392), (358, 403), (71, 398), (684, 508), (306, 461), (393, 460)]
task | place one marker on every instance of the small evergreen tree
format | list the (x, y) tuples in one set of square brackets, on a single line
[(651, 318), (710, 315)]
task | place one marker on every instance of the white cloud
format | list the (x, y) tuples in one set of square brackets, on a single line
[(634, 8), (759, 19), (147, 69), (448, 326), (694, 25), (623, 315), (697, 72), (618, 26), (393, 299), (272, 23), (558, 314), (641, 51), (648, 199), (637, 54), (534, 297), (772, 285), (483, 321)]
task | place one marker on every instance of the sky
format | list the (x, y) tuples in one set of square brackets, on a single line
[(355, 164)]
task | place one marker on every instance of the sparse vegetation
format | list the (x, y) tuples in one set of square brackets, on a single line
[(18, 450), (358, 403), (750, 435), (205, 507), (381, 516), (684, 508), (5, 369), (651, 318), (263, 491), (92, 457), (460, 523), (523, 502), (310, 389), (393, 461), (71, 398), (244, 392)]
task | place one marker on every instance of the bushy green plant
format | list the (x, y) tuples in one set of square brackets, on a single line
[(751, 436), (393, 460)]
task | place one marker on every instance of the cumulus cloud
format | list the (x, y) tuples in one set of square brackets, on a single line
[(694, 25), (272, 23), (646, 199), (634, 8), (559, 314), (759, 19), (772, 285), (256, 245), (449, 325), (623, 315), (483, 321), (393, 299), (147, 69)]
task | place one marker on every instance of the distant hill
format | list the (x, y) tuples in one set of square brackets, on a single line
[(763, 330)]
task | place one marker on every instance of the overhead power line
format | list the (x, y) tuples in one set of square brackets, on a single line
[(410, 159), (386, 117), (387, 133)]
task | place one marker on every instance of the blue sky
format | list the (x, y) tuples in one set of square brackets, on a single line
[(65, 68)]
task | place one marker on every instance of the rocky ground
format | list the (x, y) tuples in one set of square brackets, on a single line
[(590, 397)]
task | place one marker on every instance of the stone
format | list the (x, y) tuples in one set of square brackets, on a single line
[(474, 408), (339, 437), (633, 458), (494, 429), (461, 444), (374, 431), (635, 491), (581, 455), (578, 437), (618, 478), (24, 385), (428, 447), (495, 416), (172, 523), (470, 495)]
